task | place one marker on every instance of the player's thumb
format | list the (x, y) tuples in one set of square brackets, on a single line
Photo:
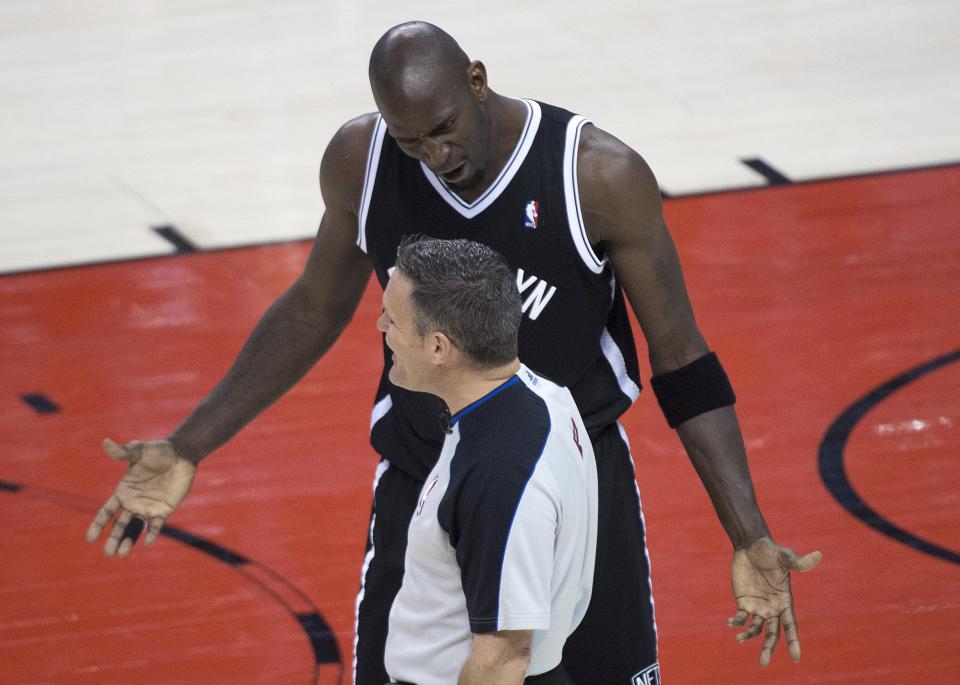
[(808, 562), (115, 451)]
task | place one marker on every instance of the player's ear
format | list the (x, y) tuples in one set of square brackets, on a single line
[(477, 77)]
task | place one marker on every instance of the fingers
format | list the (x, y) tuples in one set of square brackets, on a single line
[(739, 619), (752, 631), (156, 523), (113, 542), (102, 518), (790, 631), (115, 451), (126, 529), (131, 533), (807, 562), (772, 634), (772, 637)]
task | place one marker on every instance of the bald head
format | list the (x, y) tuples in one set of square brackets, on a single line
[(415, 60)]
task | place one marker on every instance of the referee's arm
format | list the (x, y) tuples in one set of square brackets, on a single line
[(498, 658)]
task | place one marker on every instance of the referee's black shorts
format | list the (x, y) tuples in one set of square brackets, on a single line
[(616, 644)]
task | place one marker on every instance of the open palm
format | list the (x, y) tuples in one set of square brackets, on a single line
[(156, 481), (761, 588)]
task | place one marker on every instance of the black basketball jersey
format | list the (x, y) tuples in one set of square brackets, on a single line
[(575, 329)]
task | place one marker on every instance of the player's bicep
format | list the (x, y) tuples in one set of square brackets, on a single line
[(336, 273), (648, 268), (624, 215)]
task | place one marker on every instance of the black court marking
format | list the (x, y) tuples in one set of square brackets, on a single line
[(774, 177), (834, 474), (176, 238), (322, 640), (41, 403), (218, 552)]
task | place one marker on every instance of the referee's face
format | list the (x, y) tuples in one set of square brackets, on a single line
[(411, 363)]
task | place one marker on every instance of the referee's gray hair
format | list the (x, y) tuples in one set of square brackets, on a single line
[(468, 292)]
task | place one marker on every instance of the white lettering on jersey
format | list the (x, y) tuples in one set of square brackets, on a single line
[(648, 676), (538, 298)]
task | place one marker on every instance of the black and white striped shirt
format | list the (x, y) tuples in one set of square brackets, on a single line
[(503, 536)]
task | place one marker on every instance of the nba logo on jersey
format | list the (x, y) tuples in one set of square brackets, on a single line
[(532, 214), (648, 676)]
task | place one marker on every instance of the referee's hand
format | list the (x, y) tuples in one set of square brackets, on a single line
[(761, 587)]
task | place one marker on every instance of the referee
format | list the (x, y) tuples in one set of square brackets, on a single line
[(501, 546)]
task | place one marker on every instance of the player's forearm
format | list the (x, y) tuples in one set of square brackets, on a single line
[(282, 348), (715, 447)]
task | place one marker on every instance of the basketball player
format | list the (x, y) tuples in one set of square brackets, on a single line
[(501, 546), (578, 215)]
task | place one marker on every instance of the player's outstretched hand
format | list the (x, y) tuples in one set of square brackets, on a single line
[(156, 481), (761, 587)]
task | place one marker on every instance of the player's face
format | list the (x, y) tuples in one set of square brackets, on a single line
[(449, 133), (410, 354)]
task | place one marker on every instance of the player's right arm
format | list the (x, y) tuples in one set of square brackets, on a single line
[(297, 329), (306, 320)]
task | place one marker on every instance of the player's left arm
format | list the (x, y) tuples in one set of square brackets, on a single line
[(499, 658), (623, 216)]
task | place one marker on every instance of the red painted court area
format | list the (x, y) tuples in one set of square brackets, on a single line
[(813, 295)]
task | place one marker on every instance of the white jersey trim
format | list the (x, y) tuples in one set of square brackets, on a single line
[(472, 209), (646, 551), (571, 192), (369, 179), (615, 359), (381, 469), (380, 410)]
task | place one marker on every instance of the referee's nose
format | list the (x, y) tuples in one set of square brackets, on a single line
[(382, 321)]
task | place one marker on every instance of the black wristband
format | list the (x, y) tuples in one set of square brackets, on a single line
[(693, 389)]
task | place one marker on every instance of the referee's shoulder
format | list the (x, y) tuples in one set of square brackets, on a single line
[(512, 430)]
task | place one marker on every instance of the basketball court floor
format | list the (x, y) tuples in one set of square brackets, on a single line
[(159, 191)]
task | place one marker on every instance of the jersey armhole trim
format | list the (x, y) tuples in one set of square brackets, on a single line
[(369, 177), (572, 196), (614, 356), (380, 409)]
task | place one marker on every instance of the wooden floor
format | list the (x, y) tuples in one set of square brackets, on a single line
[(121, 116), (133, 131), (814, 294)]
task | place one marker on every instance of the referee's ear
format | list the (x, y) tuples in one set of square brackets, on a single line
[(441, 349)]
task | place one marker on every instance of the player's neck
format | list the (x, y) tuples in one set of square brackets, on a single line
[(465, 387)]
